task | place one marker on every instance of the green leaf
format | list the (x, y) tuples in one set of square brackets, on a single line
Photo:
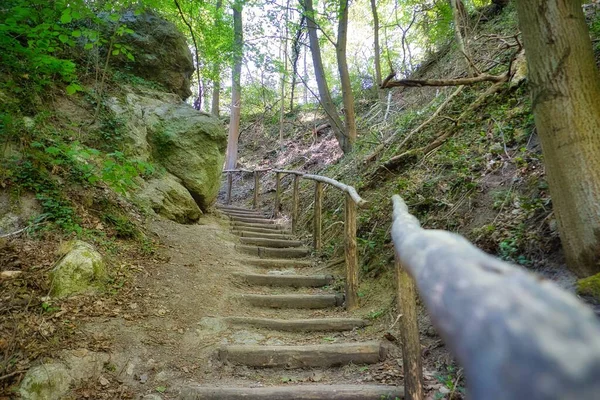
[(116, 52), (76, 33), (73, 88), (63, 38), (114, 17), (52, 150), (130, 57), (66, 17), (88, 46), (161, 389)]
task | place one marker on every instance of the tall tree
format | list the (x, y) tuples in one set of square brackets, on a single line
[(347, 95), (459, 13), (216, 92), (236, 87), (284, 49), (566, 103), (377, 50), (345, 133), (324, 94)]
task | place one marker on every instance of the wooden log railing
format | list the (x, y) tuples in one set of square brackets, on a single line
[(256, 174), (352, 201), (515, 335)]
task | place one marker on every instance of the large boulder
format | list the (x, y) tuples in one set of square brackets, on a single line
[(167, 197), (80, 270), (161, 52), (188, 143), (191, 145)]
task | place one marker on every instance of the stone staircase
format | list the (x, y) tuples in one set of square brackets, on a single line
[(277, 283)]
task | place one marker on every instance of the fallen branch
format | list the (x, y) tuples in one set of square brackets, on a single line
[(389, 140), (446, 82), (396, 161)]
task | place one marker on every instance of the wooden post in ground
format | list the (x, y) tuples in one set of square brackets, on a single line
[(409, 334), (295, 196), (351, 254), (277, 194), (229, 185), (256, 188), (317, 219)]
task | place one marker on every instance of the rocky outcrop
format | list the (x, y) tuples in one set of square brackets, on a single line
[(191, 146), (80, 270), (188, 143), (167, 197), (161, 52)]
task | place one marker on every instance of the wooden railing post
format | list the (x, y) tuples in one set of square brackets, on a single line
[(256, 188), (317, 219), (229, 185), (295, 195), (277, 194), (409, 334), (351, 254)]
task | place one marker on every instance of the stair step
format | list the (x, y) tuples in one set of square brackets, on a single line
[(235, 208), (286, 280), (320, 355), (294, 392), (246, 215), (301, 325), (277, 263), (263, 235), (244, 212), (247, 230), (266, 252), (264, 242), (252, 220), (304, 301), (274, 227)]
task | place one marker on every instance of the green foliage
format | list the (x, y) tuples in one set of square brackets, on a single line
[(27, 174), (123, 226)]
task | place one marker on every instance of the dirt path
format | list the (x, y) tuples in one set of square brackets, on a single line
[(167, 334)]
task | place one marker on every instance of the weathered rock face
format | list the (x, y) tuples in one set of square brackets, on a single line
[(161, 52), (191, 146), (167, 197), (188, 143), (80, 270)]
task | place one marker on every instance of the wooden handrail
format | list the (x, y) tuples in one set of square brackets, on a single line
[(249, 171), (352, 200), (516, 336), (362, 203)]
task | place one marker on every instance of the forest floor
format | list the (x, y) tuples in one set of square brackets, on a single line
[(162, 328)]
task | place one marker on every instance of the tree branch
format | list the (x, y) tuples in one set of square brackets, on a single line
[(444, 82)]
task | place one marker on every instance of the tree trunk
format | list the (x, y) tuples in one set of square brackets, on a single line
[(378, 78), (566, 104), (284, 44), (347, 95), (216, 92), (326, 101), (460, 30), (234, 122)]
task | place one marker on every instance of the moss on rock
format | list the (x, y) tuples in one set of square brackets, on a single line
[(590, 287), (80, 270)]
